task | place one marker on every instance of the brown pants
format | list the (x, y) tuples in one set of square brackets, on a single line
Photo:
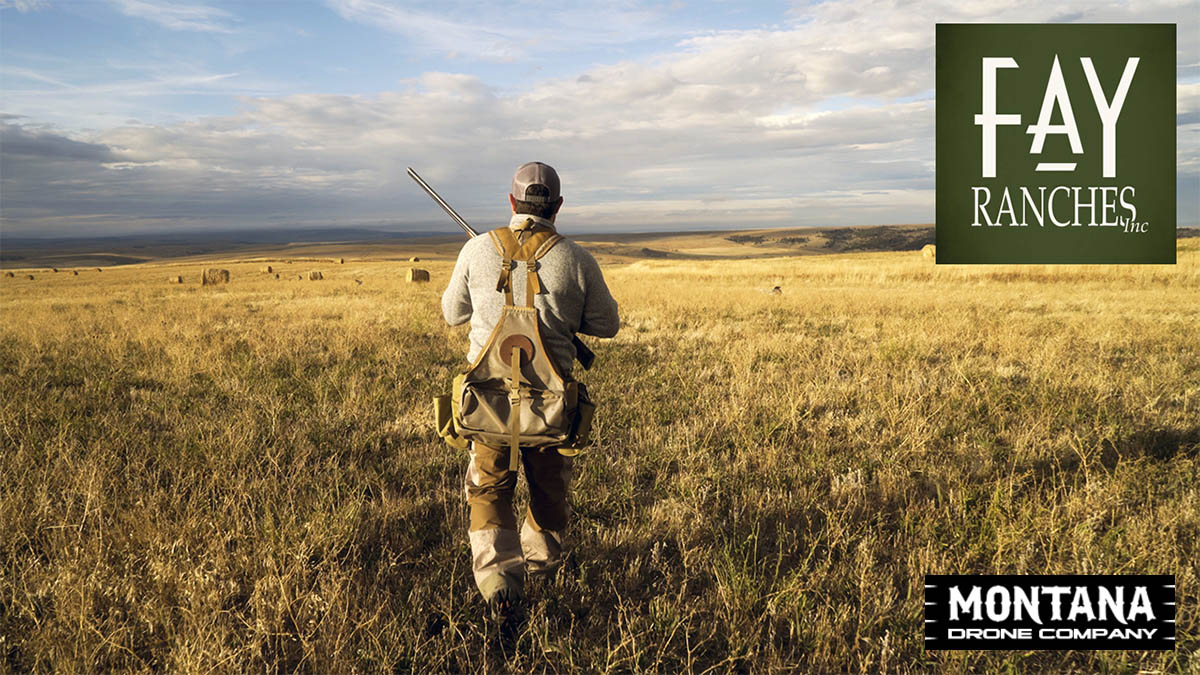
[(496, 546)]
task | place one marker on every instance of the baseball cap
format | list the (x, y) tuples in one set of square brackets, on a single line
[(535, 173)]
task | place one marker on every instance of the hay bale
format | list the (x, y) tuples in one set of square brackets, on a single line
[(315, 276), (75, 272), (175, 280), (276, 276), (929, 252), (29, 277), (213, 276), (416, 275), (414, 259), (341, 261), (267, 270), (54, 269), (777, 291), (99, 270), (9, 275)]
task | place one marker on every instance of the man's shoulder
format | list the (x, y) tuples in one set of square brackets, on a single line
[(573, 250), (481, 244)]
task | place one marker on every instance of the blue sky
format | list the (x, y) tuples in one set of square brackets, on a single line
[(147, 115)]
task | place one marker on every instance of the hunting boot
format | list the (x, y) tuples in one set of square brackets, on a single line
[(506, 608)]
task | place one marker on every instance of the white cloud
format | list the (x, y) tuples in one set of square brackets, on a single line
[(177, 16), (433, 29), (506, 31), (24, 6), (81, 94)]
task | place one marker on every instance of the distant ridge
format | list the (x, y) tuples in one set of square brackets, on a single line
[(124, 249), (256, 236)]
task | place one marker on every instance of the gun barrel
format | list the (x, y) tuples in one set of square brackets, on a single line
[(442, 203)]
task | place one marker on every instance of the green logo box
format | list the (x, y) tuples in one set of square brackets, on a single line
[(1056, 143)]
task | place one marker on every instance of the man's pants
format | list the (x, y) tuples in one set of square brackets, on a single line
[(496, 547)]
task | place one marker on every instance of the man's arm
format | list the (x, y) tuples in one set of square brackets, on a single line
[(456, 301), (599, 308)]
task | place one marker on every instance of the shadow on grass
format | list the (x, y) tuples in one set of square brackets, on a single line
[(1158, 443)]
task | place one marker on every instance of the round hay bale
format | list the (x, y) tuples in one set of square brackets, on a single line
[(276, 276), (75, 272), (414, 259), (416, 276), (213, 277), (54, 269), (29, 277), (777, 291), (341, 261), (267, 270), (99, 270), (315, 276), (175, 280), (929, 252), (9, 275)]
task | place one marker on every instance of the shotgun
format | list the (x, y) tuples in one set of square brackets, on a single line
[(584, 355)]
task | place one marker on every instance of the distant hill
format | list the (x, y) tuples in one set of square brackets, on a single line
[(845, 239), (137, 248), (364, 244)]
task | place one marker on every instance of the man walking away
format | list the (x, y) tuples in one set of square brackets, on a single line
[(571, 297)]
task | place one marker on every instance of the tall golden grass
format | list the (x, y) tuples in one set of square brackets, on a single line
[(245, 478)]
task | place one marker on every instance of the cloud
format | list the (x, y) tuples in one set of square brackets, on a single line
[(309, 159), (22, 142), (507, 31), (100, 95), (434, 30), (24, 6), (178, 178), (177, 16)]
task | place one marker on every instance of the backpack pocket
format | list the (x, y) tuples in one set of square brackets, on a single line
[(484, 408), (581, 430), (443, 422)]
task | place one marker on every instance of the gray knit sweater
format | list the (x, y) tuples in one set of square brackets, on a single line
[(574, 297)]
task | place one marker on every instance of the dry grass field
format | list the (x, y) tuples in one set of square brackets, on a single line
[(246, 478)]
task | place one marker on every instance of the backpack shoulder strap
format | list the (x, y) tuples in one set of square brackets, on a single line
[(507, 246), (537, 243)]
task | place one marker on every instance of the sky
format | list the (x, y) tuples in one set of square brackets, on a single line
[(148, 116)]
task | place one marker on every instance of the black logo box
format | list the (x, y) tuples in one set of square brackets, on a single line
[(968, 633)]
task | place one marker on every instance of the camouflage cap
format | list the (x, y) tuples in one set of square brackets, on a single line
[(535, 173)]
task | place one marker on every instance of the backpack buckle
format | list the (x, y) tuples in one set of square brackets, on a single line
[(534, 284), (507, 265)]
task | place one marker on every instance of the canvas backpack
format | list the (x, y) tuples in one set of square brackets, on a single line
[(512, 394)]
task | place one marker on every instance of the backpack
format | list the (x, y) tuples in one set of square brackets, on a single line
[(513, 393)]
